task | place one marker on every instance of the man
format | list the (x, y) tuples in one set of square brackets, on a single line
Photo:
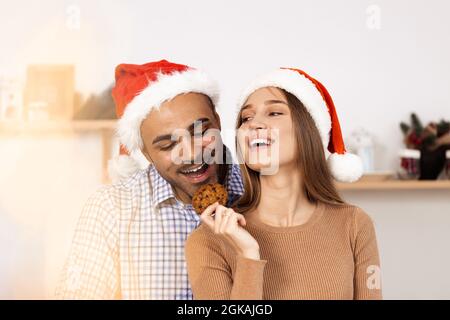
[(129, 242)]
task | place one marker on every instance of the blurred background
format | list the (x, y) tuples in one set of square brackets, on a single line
[(385, 62)]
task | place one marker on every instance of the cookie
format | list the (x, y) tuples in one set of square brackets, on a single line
[(207, 194)]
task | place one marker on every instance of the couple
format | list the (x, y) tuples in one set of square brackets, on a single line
[(286, 234)]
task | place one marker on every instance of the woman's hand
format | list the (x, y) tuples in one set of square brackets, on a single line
[(229, 223)]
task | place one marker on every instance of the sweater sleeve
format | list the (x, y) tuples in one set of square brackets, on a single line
[(367, 274), (210, 275)]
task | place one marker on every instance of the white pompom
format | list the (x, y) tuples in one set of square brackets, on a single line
[(346, 167), (122, 167)]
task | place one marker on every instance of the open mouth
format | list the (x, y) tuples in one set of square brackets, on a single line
[(196, 170), (260, 142), (197, 173)]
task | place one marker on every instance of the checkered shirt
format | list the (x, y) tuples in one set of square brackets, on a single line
[(129, 241)]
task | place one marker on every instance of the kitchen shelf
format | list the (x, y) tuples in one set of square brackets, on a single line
[(395, 185), (106, 129)]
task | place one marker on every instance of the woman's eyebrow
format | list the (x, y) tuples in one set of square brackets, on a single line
[(267, 102), (246, 107), (274, 102)]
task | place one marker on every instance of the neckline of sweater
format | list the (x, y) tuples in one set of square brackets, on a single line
[(253, 219)]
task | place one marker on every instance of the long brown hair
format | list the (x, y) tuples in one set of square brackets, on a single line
[(317, 180)]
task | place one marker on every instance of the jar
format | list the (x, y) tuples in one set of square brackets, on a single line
[(409, 164)]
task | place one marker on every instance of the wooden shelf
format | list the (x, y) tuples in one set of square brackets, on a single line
[(106, 129), (396, 185)]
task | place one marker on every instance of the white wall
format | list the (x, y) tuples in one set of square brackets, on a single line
[(413, 238), (45, 181), (376, 77)]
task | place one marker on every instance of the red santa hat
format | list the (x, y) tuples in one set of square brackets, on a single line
[(138, 90), (344, 166)]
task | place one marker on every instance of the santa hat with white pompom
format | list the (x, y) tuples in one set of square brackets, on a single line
[(344, 166), (138, 90)]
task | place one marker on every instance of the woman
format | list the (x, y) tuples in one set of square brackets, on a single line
[(290, 236)]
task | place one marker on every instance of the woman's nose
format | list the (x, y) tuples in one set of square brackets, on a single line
[(257, 123)]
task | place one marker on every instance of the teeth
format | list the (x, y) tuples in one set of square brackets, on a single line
[(193, 170), (256, 142)]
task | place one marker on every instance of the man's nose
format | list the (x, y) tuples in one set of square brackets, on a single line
[(193, 147)]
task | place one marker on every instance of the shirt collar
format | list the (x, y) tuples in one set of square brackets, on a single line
[(234, 184), (161, 189)]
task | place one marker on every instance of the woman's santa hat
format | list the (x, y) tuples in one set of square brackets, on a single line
[(344, 166), (141, 88)]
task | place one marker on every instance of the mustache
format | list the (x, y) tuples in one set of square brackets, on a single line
[(198, 159)]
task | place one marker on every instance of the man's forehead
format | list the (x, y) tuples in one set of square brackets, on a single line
[(173, 119), (172, 116)]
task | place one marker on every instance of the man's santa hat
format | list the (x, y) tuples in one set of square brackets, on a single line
[(142, 88), (344, 166)]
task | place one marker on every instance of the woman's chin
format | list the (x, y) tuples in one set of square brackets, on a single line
[(262, 167)]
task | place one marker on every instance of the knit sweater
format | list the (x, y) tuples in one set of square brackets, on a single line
[(333, 255)]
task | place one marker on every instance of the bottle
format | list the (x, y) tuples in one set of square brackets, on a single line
[(361, 143)]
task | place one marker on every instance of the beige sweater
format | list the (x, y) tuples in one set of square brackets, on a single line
[(332, 256)]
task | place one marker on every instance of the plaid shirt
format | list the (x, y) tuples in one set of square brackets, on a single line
[(129, 241)]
